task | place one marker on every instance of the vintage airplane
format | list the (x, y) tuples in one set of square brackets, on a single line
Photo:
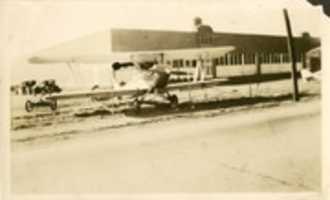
[(151, 83)]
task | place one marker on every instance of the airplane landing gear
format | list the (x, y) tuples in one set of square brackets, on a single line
[(174, 101), (163, 101), (137, 105)]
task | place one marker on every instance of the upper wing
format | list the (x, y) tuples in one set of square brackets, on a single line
[(187, 54), (98, 93), (195, 53), (86, 59)]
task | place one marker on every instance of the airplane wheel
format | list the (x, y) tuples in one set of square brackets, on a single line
[(53, 105), (174, 101), (94, 98), (192, 106), (28, 106), (137, 105)]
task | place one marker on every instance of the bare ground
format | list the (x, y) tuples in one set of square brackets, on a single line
[(264, 150)]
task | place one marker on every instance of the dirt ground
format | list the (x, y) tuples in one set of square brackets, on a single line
[(265, 150), (235, 140)]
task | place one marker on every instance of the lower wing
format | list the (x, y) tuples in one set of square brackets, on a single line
[(97, 93), (196, 85)]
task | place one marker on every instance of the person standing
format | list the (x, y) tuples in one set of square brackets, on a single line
[(200, 70), (204, 38)]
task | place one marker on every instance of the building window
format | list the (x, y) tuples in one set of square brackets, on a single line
[(188, 63), (215, 61), (181, 63), (266, 58), (248, 58), (194, 63), (239, 59), (221, 60), (175, 63), (277, 58), (233, 59)]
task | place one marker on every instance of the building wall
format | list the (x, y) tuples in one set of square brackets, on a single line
[(139, 40), (271, 50)]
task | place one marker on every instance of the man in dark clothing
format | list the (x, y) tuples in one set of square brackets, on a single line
[(204, 34)]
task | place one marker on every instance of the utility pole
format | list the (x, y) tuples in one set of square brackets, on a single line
[(291, 50)]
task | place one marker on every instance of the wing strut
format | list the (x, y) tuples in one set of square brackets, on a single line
[(72, 73)]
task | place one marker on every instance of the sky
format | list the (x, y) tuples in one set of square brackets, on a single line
[(35, 25)]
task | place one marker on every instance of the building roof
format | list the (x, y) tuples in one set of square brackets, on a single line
[(137, 40)]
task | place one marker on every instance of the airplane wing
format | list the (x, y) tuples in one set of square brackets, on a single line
[(135, 91), (98, 93), (186, 54), (172, 54), (84, 59), (197, 85)]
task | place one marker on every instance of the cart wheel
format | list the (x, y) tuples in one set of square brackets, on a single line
[(53, 105), (28, 106), (174, 101)]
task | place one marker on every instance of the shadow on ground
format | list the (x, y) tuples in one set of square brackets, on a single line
[(184, 107)]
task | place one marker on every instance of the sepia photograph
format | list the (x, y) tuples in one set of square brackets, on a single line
[(165, 97)]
